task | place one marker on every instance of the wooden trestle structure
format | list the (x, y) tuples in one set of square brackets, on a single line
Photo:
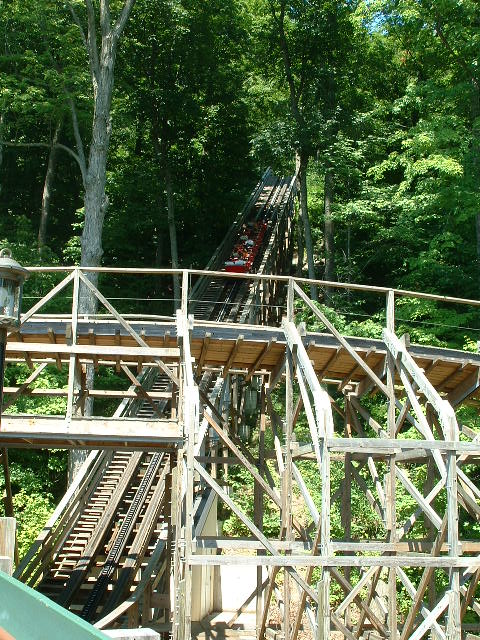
[(210, 370)]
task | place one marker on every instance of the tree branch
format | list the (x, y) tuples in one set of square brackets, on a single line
[(122, 19), (280, 21), (92, 41), (80, 156), (76, 19), (468, 70), (89, 43), (105, 22), (45, 145), (78, 138)]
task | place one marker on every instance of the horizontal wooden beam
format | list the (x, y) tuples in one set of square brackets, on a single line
[(93, 393), (437, 562), (91, 350), (349, 286), (88, 433), (390, 446), (371, 546)]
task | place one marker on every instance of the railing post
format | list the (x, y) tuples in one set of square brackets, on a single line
[(73, 357), (290, 300), (454, 622), (390, 314), (184, 303)]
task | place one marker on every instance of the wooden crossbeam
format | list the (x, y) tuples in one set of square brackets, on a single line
[(231, 357), (140, 390), (203, 354), (92, 433), (117, 341), (91, 341), (127, 327), (371, 465), (263, 354), (470, 593), (370, 497), (465, 389), (92, 393), (23, 388), (93, 350), (355, 370), (438, 631), (424, 582), (52, 338), (26, 355), (370, 373), (246, 463), (330, 362), (276, 373), (255, 531)]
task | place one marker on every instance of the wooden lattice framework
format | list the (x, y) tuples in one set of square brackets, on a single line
[(421, 387)]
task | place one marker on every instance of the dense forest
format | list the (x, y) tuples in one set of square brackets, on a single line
[(132, 132), (376, 103)]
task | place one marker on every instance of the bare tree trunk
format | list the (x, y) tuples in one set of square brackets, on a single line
[(101, 55), (172, 231), (96, 200), (329, 227), (302, 163), (160, 139), (47, 187)]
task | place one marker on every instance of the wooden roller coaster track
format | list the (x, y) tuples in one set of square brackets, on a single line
[(232, 359)]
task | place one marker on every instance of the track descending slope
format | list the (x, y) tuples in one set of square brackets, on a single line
[(111, 535)]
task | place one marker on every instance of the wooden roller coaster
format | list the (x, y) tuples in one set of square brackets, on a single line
[(233, 381)]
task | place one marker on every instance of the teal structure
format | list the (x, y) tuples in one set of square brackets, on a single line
[(28, 615)]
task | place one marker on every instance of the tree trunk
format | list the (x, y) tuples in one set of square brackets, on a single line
[(95, 207), (159, 139), (47, 188), (172, 231), (96, 201), (101, 56), (302, 163), (328, 229)]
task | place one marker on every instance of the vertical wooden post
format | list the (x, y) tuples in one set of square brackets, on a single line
[(169, 515), (429, 526), (73, 357), (454, 625), (8, 499), (184, 303), (390, 511), (258, 503), (346, 513), (8, 544), (287, 482), (324, 583), (178, 566), (290, 300)]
